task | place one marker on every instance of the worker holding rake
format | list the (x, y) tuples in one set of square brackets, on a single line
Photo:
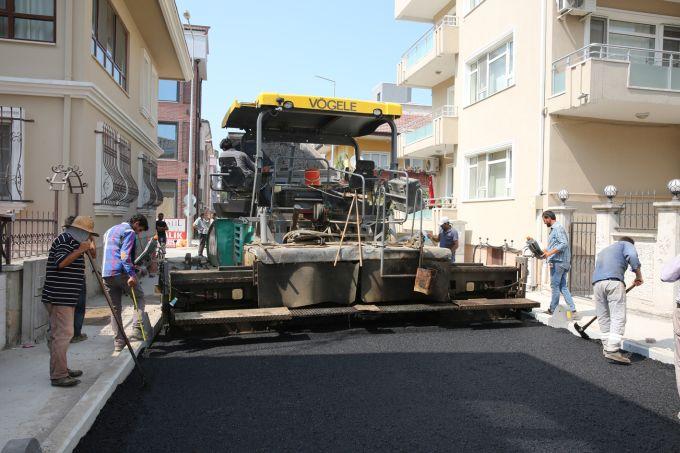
[(609, 292), (120, 276)]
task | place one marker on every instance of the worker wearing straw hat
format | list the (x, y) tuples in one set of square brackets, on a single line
[(64, 282)]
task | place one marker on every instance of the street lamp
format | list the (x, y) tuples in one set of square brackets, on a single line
[(333, 82), (190, 175)]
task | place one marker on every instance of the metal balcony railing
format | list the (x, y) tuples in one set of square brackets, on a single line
[(648, 68), (422, 130), (426, 43)]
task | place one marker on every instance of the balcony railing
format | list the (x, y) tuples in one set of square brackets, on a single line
[(426, 130), (419, 133), (421, 48), (648, 69)]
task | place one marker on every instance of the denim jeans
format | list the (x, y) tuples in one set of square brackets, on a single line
[(79, 315), (558, 284)]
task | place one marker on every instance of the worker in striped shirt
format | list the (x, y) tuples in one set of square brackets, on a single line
[(64, 282), (120, 275)]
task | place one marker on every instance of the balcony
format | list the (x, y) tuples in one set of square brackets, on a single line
[(617, 83), (432, 59), (418, 10), (431, 136)]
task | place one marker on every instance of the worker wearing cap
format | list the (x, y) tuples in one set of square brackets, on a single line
[(447, 237), (64, 283), (671, 273), (119, 273), (609, 292)]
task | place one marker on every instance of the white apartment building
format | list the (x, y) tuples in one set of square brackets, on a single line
[(534, 96)]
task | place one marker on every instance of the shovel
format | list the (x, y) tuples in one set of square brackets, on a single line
[(582, 330)]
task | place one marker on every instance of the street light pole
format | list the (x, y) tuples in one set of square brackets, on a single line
[(190, 172), (332, 146)]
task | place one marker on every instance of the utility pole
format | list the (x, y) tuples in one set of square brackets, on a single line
[(190, 180)]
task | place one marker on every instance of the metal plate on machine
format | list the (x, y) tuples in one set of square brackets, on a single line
[(225, 316), (496, 304)]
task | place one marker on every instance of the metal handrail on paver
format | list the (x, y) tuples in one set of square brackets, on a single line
[(664, 65), (424, 44)]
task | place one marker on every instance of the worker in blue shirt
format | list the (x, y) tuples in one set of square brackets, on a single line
[(609, 292), (558, 254), (447, 237)]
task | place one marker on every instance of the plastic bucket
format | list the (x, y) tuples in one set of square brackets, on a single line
[(312, 177)]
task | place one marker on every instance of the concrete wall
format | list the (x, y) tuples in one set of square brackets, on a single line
[(509, 116), (585, 156)]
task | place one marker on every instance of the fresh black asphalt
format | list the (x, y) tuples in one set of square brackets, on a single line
[(390, 388)]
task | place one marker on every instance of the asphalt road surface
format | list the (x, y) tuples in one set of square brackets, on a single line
[(391, 388)]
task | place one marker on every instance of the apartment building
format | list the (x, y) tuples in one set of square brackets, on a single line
[(534, 96), (78, 88), (176, 107)]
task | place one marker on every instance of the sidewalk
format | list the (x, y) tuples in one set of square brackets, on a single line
[(59, 417), (647, 335)]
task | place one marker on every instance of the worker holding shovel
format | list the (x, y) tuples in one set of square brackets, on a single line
[(119, 274), (609, 292)]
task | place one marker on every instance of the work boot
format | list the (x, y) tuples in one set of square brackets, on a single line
[(79, 338), (74, 373), (548, 312), (67, 381), (617, 357)]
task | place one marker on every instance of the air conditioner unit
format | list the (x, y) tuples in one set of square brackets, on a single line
[(576, 7), (431, 165)]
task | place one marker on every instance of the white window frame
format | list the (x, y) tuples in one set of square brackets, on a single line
[(16, 147), (471, 5), (610, 14), (507, 40), (450, 169), (509, 172), (148, 91), (379, 155)]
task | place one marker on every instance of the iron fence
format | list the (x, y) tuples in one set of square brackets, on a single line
[(582, 240), (29, 234), (638, 211)]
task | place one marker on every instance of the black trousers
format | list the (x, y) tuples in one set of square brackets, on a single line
[(203, 243)]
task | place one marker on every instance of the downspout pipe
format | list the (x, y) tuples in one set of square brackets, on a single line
[(542, 115)]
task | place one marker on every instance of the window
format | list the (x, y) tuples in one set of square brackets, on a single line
[(167, 140), (147, 87), (168, 91), (491, 72), (472, 4), (116, 187), (109, 41), (151, 196), (490, 175), (27, 20), (11, 153), (450, 171), (382, 160)]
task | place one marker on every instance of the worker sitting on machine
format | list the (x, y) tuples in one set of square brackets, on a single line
[(237, 164)]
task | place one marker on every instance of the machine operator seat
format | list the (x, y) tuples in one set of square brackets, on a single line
[(233, 177)]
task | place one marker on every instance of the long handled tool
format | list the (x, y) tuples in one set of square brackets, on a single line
[(140, 316), (344, 231), (119, 322), (582, 330)]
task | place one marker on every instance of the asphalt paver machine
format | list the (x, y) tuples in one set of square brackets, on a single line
[(298, 238)]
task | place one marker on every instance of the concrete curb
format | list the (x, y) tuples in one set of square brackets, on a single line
[(78, 421), (655, 353)]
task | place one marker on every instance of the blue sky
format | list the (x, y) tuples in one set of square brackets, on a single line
[(275, 45)]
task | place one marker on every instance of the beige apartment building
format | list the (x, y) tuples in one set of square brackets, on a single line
[(534, 96), (78, 87)]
